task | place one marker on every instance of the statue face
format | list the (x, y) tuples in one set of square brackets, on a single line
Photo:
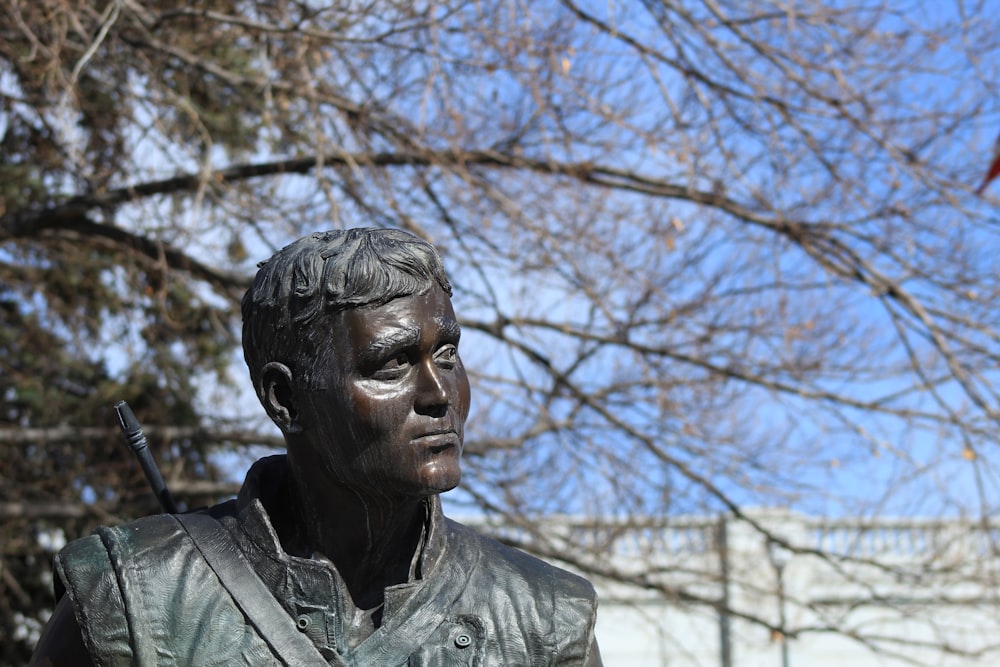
[(391, 417)]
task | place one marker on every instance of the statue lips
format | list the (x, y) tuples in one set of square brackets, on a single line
[(437, 441)]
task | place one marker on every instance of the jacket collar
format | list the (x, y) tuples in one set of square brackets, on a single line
[(313, 588), (265, 509)]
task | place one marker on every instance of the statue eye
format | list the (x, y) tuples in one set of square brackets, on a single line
[(393, 368), (446, 356)]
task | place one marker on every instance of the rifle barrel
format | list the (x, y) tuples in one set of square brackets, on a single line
[(137, 443)]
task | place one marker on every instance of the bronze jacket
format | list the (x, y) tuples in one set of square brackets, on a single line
[(143, 595)]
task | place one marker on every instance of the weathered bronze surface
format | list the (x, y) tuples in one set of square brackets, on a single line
[(336, 552)]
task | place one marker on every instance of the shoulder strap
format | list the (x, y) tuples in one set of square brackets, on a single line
[(251, 595)]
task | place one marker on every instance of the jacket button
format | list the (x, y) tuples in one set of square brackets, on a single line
[(463, 640), (302, 623)]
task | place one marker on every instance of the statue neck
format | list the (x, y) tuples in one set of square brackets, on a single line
[(371, 539)]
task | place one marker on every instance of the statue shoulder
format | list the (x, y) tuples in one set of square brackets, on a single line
[(142, 577), (525, 601), (519, 566), (155, 542), (90, 574)]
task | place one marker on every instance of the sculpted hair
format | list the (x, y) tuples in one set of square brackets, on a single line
[(294, 292)]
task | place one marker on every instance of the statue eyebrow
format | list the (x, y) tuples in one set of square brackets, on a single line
[(402, 336), (405, 336), (449, 328)]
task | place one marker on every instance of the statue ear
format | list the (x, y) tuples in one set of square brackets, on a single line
[(276, 393)]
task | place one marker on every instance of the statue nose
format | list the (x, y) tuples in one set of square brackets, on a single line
[(432, 391)]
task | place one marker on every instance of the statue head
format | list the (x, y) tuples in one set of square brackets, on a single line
[(352, 345), (286, 309)]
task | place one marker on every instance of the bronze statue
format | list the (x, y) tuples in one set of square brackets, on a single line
[(336, 552)]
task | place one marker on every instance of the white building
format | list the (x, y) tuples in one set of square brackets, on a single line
[(829, 593)]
